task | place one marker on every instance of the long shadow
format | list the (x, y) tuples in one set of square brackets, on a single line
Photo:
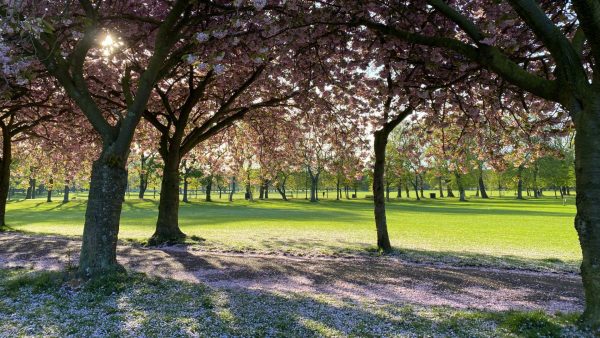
[(243, 310), (467, 209), (144, 306), (303, 246), (214, 213)]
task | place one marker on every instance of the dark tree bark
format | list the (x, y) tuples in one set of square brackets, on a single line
[(66, 192), (587, 220), (280, 186), (536, 189), (267, 183), (186, 190), (208, 189), (143, 177), (380, 140), (338, 191), (449, 192), (232, 191), (248, 189), (421, 186), (399, 190), (99, 243), (5, 162), (379, 145), (461, 188), (415, 185), (407, 190), (387, 192), (32, 183), (314, 181), (31, 188), (520, 182), (50, 187), (167, 224), (261, 191), (441, 187), (481, 183)]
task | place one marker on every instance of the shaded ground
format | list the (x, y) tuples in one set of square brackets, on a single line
[(382, 280)]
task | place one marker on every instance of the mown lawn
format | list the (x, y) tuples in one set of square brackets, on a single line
[(539, 232)]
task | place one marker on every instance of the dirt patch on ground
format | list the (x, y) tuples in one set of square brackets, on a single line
[(378, 279)]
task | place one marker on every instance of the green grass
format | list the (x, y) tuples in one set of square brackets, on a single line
[(53, 304), (539, 232)]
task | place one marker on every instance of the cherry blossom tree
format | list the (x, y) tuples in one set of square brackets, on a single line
[(547, 48)]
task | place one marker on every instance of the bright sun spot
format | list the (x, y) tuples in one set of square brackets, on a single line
[(108, 41), (109, 45)]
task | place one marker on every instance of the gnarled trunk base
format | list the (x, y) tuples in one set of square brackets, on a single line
[(102, 216), (167, 225)]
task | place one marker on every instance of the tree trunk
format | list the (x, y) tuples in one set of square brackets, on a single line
[(387, 192), (449, 192), (441, 187), (416, 187), (520, 183), (209, 189), (407, 190), (421, 186), (482, 190), (587, 220), (379, 144), (399, 192), (248, 191), (281, 188), (66, 192), (143, 177), (267, 189), (461, 188), (167, 224), (338, 191), (185, 188), (232, 191), (32, 182), (50, 186), (261, 191), (102, 216), (314, 180), (5, 175), (536, 190), (143, 186)]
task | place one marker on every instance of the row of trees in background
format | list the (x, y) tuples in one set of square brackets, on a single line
[(282, 168)]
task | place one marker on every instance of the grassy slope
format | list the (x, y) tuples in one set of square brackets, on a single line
[(536, 230)]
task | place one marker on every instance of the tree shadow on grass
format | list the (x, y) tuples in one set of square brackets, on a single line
[(308, 297), (313, 247), (137, 305)]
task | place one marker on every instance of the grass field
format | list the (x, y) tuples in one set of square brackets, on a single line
[(537, 232)]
